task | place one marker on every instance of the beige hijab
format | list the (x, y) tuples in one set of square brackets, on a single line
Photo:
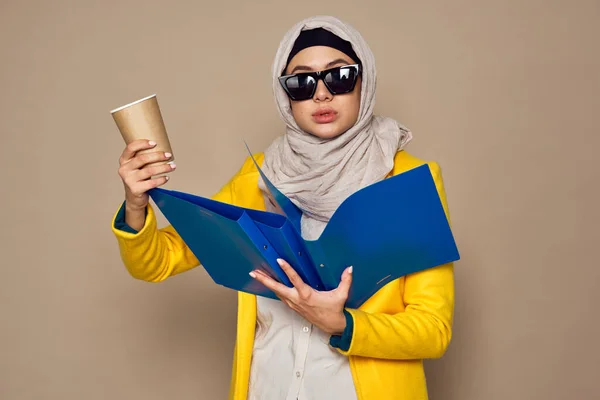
[(317, 174)]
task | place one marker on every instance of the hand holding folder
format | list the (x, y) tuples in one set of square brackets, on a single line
[(387, 230)]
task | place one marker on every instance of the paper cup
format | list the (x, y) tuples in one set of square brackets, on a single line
[(142, 119)]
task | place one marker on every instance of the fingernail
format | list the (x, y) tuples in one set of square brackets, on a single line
[(252, 274), (172, 164), (350, 269), (167, 178), (279, 261), (152, 143), (168, 155)]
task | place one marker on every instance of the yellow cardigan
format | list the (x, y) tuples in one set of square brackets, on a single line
[(406, 321)]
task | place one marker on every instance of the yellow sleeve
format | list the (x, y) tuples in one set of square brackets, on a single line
[(155, 254), (424, 328)]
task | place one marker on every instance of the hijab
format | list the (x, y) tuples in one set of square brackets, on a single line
[(316, 174)]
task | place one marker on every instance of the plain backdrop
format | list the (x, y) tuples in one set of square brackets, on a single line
[(502, 94)]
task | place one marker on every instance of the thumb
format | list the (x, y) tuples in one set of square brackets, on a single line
[(346, 282)]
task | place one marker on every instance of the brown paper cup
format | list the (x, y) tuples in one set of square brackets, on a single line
[(142, 119)]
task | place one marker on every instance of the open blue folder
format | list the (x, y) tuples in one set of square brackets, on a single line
[(387, 230)]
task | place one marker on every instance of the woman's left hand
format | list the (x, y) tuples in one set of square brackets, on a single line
[(323, 309)]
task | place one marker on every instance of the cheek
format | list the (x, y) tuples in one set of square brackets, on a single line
[(295, 109), (300, 110), (357, 96), (353, 107)]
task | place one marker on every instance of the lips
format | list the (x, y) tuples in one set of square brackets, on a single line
[(325, 115)]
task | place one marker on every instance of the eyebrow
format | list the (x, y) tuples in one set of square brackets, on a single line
[(329, 65)]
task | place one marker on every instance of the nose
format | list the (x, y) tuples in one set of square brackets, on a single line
[(321, 93)]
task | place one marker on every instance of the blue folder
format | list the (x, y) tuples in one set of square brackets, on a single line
[(389, 229)]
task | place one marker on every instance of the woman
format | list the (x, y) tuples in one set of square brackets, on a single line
[(308, 345)]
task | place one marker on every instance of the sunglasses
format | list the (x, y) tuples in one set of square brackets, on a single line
[(338, 80)]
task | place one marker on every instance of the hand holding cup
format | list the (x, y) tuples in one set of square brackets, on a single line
[(148, 157), (141, 171)]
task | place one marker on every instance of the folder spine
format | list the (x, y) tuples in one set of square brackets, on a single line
[(322, 266), (265, 248), (306, 262)]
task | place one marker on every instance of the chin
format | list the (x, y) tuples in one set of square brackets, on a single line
[(328, 131)]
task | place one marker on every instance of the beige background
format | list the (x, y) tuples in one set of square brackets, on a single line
[(504, 95)]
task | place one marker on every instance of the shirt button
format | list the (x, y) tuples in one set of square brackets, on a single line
[(298, 374), (305, 329)]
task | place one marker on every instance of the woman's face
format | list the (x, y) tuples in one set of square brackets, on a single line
[(341, 109)]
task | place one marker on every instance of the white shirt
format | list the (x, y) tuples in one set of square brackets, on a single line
[(292, 359)]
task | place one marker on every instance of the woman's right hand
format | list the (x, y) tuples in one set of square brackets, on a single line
[(136, 173)]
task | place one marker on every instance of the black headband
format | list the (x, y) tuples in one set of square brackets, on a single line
[(321, 37)]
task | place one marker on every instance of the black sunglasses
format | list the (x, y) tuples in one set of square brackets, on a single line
[(338, 80)]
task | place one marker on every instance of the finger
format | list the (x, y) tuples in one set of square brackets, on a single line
[(137, 181), (269, 283), (303, 289), (132, 148), (140, 160), (286, 301), (345, 283), (279, 289), (150, 171), (144, 186)]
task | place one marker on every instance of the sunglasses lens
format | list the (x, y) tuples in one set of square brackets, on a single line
[(301, 87), (341, 80)]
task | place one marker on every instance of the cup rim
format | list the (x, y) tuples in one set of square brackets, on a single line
[(132, 103)]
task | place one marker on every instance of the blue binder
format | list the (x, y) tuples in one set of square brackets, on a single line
[(387, 230)]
